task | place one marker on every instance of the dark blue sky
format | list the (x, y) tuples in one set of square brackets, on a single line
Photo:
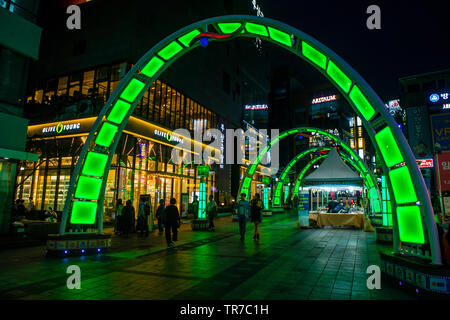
[(414, 36)]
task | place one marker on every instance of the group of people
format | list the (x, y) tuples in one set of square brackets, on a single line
[(335, 207), (20, 212), (126, 221), (249, 211)]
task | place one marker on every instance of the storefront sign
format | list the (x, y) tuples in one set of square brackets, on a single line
[(439, 97), (142, 150), (441, 130), (425, 163), (324, 99), (62, 128), (256, 107), (443, 160), (168, 136)]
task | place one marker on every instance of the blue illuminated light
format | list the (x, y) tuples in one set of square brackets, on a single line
[(98, 250), (203, 42), (65, 251), (434, 97)]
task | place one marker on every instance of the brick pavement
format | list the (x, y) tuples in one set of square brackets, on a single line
[(286, 264)]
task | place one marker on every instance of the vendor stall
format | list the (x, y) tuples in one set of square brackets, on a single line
[(335, 191)]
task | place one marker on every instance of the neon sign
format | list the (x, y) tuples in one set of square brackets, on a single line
[(142, 150), (168, 136), (324, 99), (436, 97), (425, 163), (59, 128), (256, 107)]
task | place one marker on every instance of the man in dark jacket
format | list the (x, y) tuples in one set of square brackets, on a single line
[(128, 214), (171, 222), (160, 216)]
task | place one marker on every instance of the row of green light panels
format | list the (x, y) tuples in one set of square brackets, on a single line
[(387, 210), (88, 188), (202, 201)]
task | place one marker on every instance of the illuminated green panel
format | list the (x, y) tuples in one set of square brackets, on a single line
[(374, 197), (252, 169), (338, 76), (283, 135), (187, 38), (280, 36), (256, 29), (106, 134), (266, 198), (88, 188), (132, 90), (286, 192), (202, 201), (361, 103), (314, 55), (402, 185), (229, 27), (246, 183), (94, 165), (119, 111), (83, 212), (152, 67), (410, 225), (170, 50), (388, 147)]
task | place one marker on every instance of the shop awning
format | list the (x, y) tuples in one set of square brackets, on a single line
[(333, 171), (18, 155)]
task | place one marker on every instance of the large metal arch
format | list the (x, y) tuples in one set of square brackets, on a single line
[(302, 173), (353, 163), (364, 170), (415, 231)]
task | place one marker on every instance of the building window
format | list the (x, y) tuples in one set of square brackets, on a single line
[(413, 88)]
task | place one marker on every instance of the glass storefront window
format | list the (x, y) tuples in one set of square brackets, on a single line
[(74, 85), (62, 85), (88, 82)]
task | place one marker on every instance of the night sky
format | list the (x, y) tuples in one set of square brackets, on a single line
[(414, 36)]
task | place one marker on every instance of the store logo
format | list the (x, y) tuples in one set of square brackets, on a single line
[(256, 107), (324, 99), (169, 136), (59, 128), (434, 97)]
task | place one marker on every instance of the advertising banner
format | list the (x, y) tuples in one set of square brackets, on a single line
[(419, 132), (443, 160), (303, 208), (441, 130)]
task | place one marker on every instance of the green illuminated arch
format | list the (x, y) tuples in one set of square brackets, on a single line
[(360, 166), (414, 226)]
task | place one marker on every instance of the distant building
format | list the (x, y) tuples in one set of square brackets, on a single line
[(19, 44)]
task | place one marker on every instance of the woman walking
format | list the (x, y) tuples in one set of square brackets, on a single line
[(160, 216), (256, 214), (211, 208)]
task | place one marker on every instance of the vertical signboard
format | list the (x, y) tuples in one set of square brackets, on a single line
[(443, 160), (303, 208), (419, 132), (441, 130)]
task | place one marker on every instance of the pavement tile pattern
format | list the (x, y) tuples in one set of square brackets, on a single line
[(286, 264)]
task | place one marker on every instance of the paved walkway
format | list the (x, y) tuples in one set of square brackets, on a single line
[(287, 263)]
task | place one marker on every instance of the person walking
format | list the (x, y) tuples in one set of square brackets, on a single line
[(30, 205), (211, 209), (127, 218), (194, 206), (243, 212), (142, 221), (160, 215), (171, 222), (256, 214), (117, 222)]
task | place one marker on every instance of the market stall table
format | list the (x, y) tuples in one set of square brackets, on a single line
[(341, 219)]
